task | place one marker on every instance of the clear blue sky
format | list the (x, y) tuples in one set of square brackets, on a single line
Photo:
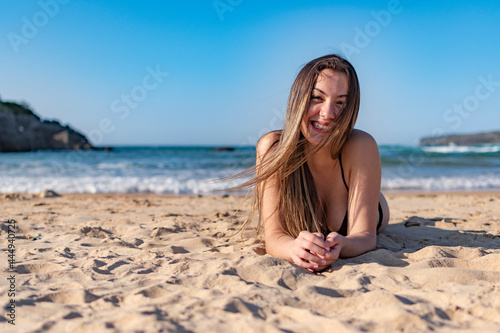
[(219, 72)]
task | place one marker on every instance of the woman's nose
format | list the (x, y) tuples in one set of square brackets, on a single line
[(328, 110)]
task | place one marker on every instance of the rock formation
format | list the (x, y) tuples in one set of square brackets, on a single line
[(22, 130), (462, 140)]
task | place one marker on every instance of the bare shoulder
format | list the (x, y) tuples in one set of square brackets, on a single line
[(359, 137), (361, 146), (267, 141)]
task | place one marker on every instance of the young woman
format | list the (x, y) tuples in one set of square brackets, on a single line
[(317, 181)]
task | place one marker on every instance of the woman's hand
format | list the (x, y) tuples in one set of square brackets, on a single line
[(310, 251), (334, 242)]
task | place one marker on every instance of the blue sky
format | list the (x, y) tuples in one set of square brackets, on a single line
[(219, 72)]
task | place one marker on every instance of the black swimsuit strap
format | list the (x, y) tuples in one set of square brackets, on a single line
[(342, 171)]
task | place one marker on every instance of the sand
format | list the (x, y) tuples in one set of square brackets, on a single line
[(150, 263)]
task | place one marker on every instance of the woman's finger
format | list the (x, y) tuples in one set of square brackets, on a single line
[(333, 239), (305, 264), (313, 242), (311, 257)]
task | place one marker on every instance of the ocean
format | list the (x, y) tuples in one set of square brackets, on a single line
[(194, 170)]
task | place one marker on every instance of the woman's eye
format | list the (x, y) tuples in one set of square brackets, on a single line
[(317, 98)]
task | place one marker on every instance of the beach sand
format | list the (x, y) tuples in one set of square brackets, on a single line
[(151, 263)]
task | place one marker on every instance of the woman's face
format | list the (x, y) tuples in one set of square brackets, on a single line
[(327, 100)]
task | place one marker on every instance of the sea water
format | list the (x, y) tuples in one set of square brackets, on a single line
[(196, 170)]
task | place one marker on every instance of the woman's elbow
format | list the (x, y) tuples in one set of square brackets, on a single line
[(371, 242)]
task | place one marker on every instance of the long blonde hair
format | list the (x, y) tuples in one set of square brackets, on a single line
[(298, 204)]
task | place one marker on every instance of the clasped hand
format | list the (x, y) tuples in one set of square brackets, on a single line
[(315, 252)]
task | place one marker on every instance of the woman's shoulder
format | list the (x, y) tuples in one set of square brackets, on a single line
[(360, 144), (267, 141), (360, 137)]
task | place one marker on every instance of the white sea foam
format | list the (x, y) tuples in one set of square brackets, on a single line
[(180, 185), (107, 184), (442, 183), (462, 149)]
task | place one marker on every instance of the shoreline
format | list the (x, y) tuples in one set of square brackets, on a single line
[(406, 192)]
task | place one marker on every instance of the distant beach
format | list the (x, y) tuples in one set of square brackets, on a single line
[(193, 170)]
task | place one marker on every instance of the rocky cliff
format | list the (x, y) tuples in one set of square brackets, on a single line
[(462, 140), (22, 130)]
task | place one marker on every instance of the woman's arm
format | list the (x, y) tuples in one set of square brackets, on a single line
[(305, 250), (363, 175)]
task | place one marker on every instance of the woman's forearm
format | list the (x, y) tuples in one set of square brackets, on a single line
[(279, 246), (357, 244)]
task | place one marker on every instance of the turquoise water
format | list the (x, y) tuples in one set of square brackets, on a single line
[(192, 170)]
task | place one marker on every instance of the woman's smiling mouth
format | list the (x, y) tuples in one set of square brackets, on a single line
[(320, 127)]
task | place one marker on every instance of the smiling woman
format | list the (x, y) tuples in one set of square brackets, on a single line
[(317, 181)]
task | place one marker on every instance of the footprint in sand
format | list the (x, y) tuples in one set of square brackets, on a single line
[(96, 232), (110, 268), (37, 268), (237, 305), (74, 296), (155, 291), (164, 232), (178, 249), (72, 315)]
